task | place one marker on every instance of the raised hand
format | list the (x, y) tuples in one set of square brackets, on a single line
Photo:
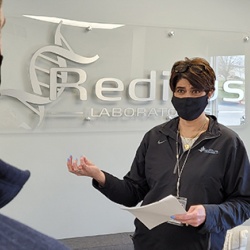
[(85, 168)]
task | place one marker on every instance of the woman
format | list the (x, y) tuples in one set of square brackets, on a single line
[(193, 157)]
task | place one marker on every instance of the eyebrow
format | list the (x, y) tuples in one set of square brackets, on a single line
[(180, 87)]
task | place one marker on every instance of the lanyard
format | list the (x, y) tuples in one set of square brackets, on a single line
[(179, 169)]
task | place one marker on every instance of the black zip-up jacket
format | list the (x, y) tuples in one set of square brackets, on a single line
[(216, 175)]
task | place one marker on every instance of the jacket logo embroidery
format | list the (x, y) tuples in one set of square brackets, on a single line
[(208, 151), (160, 142)]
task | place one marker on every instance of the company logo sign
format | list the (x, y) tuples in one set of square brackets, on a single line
[(38, 100), (53, 61)]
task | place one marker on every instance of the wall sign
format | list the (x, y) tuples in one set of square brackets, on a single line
[(68, 85)]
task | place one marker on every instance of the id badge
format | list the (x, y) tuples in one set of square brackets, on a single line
[(183, 202)]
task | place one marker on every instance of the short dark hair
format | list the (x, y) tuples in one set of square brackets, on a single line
[(204, 79)]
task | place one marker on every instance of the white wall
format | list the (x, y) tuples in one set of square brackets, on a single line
[(54, 201)]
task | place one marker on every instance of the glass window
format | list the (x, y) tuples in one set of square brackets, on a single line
[(229, 101)]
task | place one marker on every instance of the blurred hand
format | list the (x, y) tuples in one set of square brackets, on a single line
[(85, 168), (195, 216)]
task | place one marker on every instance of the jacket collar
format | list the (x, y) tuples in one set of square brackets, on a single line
[(170, 128)]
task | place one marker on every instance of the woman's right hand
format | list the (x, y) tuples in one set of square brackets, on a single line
[(86, 168)]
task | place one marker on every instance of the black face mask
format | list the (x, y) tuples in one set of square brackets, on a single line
[(190, 108), (1, 59)]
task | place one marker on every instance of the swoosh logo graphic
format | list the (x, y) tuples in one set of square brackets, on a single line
[(161, 141)]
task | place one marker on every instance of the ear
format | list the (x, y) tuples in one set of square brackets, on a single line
[(210, 93)]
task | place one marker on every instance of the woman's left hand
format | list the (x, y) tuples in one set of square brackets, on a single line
[(195, 216)]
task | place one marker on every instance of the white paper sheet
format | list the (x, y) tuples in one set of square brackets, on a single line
[(154, 214)]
